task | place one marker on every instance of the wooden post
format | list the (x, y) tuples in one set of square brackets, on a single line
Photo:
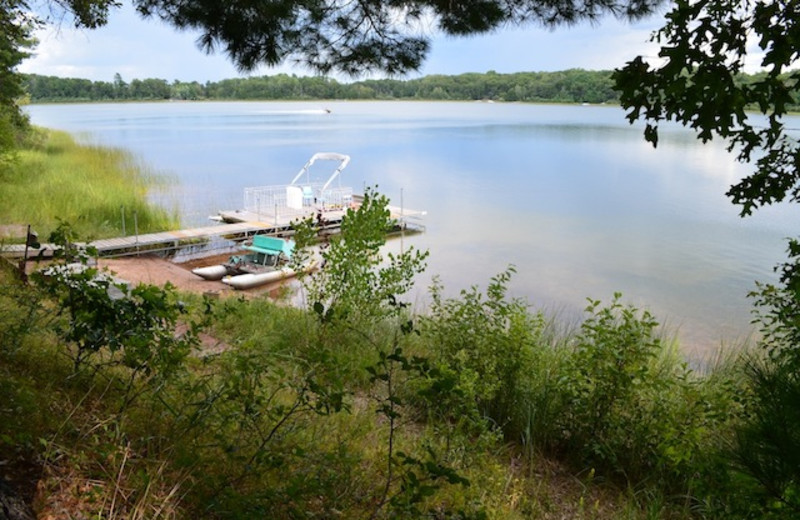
[(23, 273), (402, 222), (136, 229)]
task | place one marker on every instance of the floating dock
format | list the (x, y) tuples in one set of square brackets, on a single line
[(152, 242), (237, 225)]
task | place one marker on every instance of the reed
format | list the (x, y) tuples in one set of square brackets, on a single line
[(88, 186)]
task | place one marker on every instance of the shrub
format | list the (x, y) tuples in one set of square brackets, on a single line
[(767, 452), (634, 408), (107, 322), (358, 285), (487, 341)]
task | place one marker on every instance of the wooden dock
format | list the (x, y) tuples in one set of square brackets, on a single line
[(156, 242), (240, 225)]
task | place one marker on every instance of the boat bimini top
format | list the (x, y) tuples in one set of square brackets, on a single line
[(323, 156)]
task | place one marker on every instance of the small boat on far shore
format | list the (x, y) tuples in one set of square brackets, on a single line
[(268, 259)]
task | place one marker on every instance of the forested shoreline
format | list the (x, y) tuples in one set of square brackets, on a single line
[(569, 86)]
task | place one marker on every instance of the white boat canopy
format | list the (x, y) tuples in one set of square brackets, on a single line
[(323, 156)]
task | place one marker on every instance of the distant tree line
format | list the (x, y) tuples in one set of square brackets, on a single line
[(569, 86)]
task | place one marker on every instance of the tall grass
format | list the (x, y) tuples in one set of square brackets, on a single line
[(86, 185)]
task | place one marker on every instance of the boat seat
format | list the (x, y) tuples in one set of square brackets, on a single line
[(308, 195)]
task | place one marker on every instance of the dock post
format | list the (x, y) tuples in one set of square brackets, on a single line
[(31, 240), (122, 211), (136, 229), (402, 222)]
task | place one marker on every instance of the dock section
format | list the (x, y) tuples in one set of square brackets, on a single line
[(237, 225), (155, 242), (281, 218)]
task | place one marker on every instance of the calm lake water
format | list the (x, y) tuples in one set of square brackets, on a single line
[(570, 195)]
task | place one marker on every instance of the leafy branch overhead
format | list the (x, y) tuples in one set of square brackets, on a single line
[(349, 36), (704, 46)]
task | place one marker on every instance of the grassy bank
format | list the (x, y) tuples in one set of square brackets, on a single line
[(90, 187), (357, 407)]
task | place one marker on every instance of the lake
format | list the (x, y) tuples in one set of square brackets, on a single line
[(571, 195)]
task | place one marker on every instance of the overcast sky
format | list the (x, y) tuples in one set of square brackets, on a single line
[(139, 49)]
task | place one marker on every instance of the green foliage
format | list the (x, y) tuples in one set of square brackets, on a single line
[(239, 423), (488, 342), (767, 443), (25, 323), (87, 13), (355, 38), (767, 452), (8, 142), (272, 427), (355, 405), (359, 291), (611, 396), (612, 358), (633, 409), (352, 38), (259, 324), (410, 479), (569, 86), (20, 310), (704, 46), (357, 285), (53, 88), (106, 320), (778, 313), (16, 27)]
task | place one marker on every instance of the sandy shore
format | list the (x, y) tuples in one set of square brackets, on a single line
[(158, 271)]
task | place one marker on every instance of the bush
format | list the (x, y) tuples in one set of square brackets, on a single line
[(488, 342), (767, 453)]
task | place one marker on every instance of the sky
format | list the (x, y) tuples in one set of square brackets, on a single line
[(137, 49)]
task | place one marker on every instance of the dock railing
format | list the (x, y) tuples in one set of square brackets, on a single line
[(275, 202)]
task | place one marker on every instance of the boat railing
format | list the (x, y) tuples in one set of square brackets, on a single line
[(335, 198), (296, 200)]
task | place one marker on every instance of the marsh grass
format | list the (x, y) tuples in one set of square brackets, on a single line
[(56, 179)]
